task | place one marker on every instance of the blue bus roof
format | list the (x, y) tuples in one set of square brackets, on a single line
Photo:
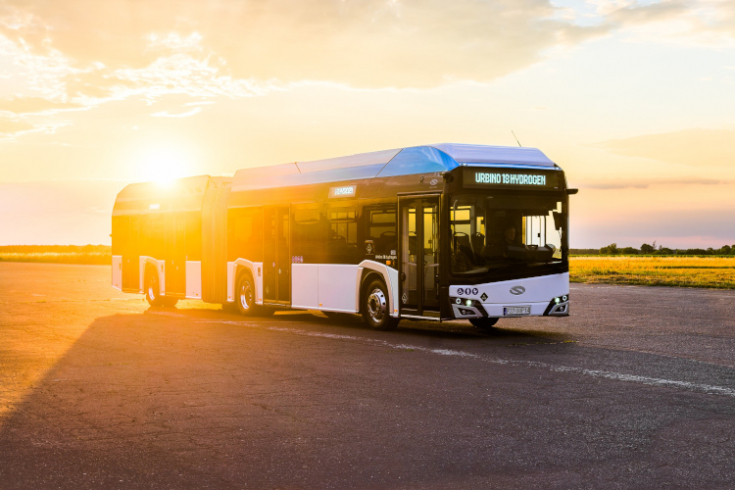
[(390, 163)]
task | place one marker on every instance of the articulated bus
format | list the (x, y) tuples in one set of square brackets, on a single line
[(437, 232)]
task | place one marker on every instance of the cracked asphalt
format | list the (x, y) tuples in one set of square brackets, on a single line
[(635, 390)]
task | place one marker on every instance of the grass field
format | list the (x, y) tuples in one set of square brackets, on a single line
[(59, 258), (698, 272), (60, 254)]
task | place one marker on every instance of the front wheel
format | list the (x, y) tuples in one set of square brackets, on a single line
[(375, 307), (484, 323)]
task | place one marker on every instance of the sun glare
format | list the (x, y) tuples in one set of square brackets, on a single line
[(164, 165)]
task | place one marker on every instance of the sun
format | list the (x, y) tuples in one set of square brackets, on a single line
[(165, 164)]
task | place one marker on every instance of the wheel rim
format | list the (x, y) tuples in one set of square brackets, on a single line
[(246, 295), (152, 289), (376, 305)]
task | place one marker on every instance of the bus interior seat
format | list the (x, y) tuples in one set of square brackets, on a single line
[(387, 241), (462, 243), (478, 244)]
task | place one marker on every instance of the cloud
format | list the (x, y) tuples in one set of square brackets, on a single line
[(709, 23), (365, 43), (196, 110), (630, 13), (675, 228), (645, 184), (9, 126), (691, 147), (29, 105)]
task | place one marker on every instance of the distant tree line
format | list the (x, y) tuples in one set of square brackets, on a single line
[(652, 249), (54, 249)]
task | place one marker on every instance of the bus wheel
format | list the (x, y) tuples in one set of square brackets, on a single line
[(375, 307), (486, 324), (152, 289), (170, 302), (245, 295)]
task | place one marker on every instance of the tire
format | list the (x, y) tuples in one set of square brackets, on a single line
[(485, 324), (170, 302), (375, 307), (153, 289), (245, 295)]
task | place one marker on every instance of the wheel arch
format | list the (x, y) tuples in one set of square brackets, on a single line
[(242, 266), (375, 270)]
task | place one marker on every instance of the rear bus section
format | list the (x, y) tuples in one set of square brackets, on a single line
[(162, 236)]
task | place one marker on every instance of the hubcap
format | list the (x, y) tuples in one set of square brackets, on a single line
[(376, 305), (245, 295), (152, 288)]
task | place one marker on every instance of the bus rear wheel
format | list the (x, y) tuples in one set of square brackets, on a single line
[(245, 295), (153, 289), (375, 307), (485, 324), (170, 302)]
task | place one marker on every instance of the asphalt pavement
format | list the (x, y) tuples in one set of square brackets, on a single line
[(636, 389)]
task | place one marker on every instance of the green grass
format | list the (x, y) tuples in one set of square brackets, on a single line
[(59, 254), (699, 272)]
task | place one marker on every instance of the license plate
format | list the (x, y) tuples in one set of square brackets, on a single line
[(516, 310)]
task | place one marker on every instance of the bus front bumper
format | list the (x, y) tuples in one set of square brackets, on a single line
[(532, 296), (466, 309)]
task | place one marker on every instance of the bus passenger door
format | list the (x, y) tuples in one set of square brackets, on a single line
[(276, 255), (419, 255)]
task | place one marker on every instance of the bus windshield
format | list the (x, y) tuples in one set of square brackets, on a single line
[(490, 233)]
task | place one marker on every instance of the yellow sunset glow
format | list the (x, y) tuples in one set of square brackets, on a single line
[(165, 164), (632, 98)]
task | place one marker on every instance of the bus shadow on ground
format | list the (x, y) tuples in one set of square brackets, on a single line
[(168, 401)]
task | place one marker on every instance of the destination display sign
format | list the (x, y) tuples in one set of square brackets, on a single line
[(506, 178), (344, 191)]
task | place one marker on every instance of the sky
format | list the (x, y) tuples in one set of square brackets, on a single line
[(634, 99)]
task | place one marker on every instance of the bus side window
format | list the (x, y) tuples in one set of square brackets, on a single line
[(342, 245), (309, 234), (151, 236), (382, 229), (245, 235)]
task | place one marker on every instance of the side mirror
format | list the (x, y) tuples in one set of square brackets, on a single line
[(571, 192), (558, 220)]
